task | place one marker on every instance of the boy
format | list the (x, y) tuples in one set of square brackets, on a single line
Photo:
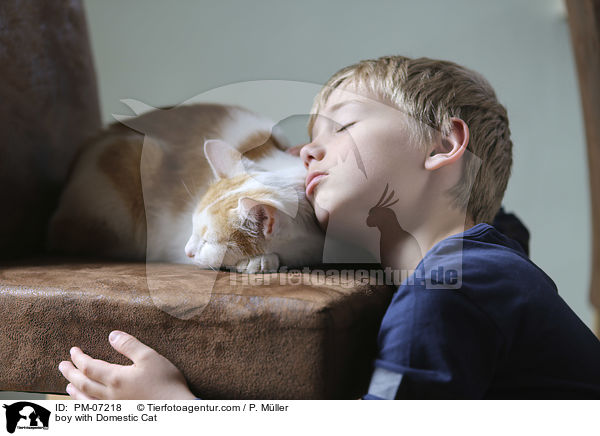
[(473, 317)]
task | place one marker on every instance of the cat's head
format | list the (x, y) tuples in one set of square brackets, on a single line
[(240, 216)]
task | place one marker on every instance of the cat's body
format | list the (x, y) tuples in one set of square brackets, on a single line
[(180, 192)]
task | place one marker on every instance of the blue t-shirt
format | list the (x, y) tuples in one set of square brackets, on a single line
[(478, 319)]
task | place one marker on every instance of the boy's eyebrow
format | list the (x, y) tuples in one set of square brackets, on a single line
[(339, 105)]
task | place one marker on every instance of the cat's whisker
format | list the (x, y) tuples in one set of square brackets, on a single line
[(187, 189)]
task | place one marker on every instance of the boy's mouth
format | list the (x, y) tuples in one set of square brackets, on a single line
[(312, 180)]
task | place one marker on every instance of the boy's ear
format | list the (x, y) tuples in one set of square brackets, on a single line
[(262, 216), (450, 147), (224, 160)]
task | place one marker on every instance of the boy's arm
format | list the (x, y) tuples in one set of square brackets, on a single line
[(434, 344), (151, 376)]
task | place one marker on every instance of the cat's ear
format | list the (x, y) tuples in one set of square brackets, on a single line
[(224, 160), (260, 215)]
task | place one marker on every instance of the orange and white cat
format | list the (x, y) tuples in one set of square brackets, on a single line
[(207, 184)]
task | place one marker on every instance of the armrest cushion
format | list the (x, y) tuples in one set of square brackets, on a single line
[(277, 341)]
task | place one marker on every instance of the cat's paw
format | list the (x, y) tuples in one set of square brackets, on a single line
[(262, 263)]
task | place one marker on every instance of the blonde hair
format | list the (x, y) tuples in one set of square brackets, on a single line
[(431, 92)]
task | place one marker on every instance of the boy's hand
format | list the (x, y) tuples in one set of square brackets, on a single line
[(151, 376)]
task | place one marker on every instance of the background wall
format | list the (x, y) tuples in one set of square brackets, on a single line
[(164, 53)]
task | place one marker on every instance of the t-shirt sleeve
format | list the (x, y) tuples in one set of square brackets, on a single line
[(434, 344)]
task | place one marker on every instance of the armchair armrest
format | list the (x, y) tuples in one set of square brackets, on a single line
[(241, 340)]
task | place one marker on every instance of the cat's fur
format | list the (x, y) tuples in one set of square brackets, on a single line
[(177, 189)]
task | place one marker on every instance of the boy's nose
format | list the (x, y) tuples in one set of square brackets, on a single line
[(311, 151)]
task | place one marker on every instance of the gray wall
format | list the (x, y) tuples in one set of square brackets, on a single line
[(165, 53)]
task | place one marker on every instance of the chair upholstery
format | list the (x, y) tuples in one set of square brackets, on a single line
[(49, 106), (290, 341)]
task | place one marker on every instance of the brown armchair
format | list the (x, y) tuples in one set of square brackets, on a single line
[(236, 341)]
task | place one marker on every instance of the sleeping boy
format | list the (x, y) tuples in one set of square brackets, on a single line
[(411, 157)]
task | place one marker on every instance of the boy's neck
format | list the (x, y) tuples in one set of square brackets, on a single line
[(403, 251)]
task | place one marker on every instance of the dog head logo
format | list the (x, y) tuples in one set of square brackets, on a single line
[(24, 414)]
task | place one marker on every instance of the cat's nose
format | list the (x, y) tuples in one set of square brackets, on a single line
[(190, 247)]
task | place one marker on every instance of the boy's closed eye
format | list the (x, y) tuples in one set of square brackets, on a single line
[(345, 126)]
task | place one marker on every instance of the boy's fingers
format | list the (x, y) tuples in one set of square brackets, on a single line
[(76, 394), (130, 346), (95, 369), (79, 381)]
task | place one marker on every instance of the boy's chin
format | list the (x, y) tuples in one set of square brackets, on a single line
[(322, 216)]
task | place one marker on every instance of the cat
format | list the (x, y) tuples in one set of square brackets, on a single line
[(206, 184)]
